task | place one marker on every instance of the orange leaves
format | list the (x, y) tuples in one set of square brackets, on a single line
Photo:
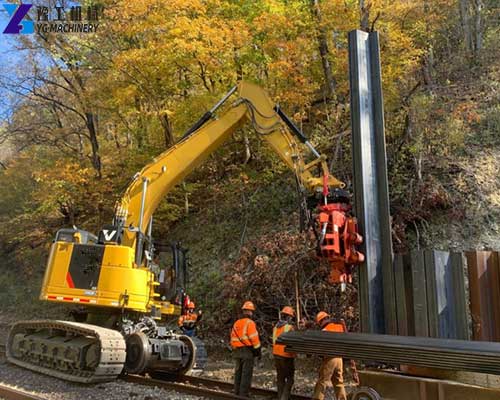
[(467, 111), (261, 262)]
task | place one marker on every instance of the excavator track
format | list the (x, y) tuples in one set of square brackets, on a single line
[(67, 350)]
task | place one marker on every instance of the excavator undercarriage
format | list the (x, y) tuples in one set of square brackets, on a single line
[(88, 353)]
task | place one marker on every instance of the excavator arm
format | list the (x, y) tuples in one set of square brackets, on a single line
[(156, 179), (135, 210)]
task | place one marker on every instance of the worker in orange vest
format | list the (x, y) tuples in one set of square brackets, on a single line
[(188, 321), (245, 343), (284, 361), (332, 368)]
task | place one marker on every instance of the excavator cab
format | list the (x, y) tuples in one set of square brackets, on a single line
[(75, 235), (172, 274)]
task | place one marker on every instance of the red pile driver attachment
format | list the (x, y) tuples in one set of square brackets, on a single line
[(338, 240)]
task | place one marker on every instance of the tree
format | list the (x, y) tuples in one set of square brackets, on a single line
[(324, 52), (53, 90)]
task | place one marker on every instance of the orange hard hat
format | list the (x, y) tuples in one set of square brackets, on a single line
[(288, 311), (191, 305), (248, 305), (321, 316)]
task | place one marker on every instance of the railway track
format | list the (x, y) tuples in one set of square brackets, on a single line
[(192, 385), (208, 392), (9, 393), (205, 387)]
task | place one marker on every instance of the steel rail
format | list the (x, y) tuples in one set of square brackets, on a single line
[(181, 387), (228, 386), (9, 393), (204, 387)]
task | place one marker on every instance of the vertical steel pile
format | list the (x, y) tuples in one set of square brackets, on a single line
[(376, 279)]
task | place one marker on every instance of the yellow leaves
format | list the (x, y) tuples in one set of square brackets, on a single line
[(175, 31), (165, 111), (176, 51), (244, 178)]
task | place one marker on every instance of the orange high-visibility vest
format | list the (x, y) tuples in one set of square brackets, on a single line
[(279, 349), (333, 327), (187, 317), (244, 334)]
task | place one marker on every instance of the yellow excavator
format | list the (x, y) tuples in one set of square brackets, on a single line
[(115, 275)]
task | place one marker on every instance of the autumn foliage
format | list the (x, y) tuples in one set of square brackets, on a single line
[(82, 113)]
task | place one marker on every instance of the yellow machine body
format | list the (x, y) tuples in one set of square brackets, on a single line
[(101, 275)]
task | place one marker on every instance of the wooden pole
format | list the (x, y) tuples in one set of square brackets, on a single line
[(297, 298)]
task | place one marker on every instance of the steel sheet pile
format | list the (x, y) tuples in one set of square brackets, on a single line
[(458, 355)]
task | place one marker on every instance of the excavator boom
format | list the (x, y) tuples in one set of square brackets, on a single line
[(168, 169)]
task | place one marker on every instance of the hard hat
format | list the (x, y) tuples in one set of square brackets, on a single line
[(191, 305), (321, 316), (288, 311), (248, 305)]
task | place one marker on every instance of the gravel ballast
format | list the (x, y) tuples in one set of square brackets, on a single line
[(55, 389)]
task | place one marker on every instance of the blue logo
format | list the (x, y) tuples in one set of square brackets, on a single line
[(16, 24)]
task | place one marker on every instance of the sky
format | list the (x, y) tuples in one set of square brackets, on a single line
[(9, 57)]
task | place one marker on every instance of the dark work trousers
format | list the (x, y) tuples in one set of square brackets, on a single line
[(243, 370), (285, 370)]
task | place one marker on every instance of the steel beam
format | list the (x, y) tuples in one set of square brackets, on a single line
[(455, 355), (376, 277)]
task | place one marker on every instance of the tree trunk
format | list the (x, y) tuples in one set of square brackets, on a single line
[(364, 13), (95, 158), (324, 52), (248, 153), (186, 198), (428, 66), (141, 125), (478, 25), (167, 130), (466, 24), (237, 63)]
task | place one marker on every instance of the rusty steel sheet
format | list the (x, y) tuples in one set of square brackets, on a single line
[(484, 288)]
